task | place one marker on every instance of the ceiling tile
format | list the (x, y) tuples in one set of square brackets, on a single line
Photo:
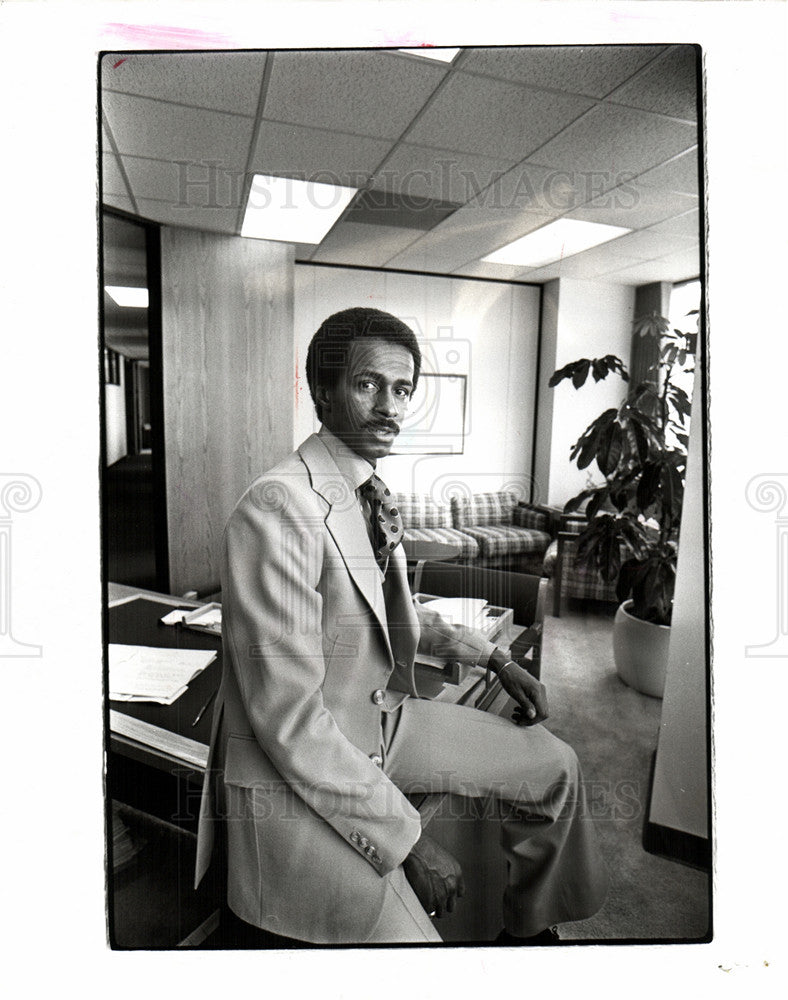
[(171, 132), (484, 269), (317, 154), (589, 69), (482, 230), (358, 243), (634, 207), (304, 251), (465, 237), (118, 201), (587, 265), (182, 183), (215, 220), (646, 244), (224, 81), (668, 86), (672, 267), (531, 188), (612, 141), (124, 266), (687, 224), (678, 174), (388, 208), (476, 115), (438, 173), (368, 92), (111, 177)]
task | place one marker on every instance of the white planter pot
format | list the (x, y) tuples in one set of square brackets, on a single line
[(640, 651)]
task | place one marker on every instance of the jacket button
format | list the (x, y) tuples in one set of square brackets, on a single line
[(379, 696), (364, 843), (370, 851), (354, 836), (376, 759)]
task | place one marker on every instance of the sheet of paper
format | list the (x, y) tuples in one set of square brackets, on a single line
[(173, 617), (210, 615), (151, 673), (467, 611)]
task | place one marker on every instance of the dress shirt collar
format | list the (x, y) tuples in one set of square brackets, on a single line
[(355, 469)]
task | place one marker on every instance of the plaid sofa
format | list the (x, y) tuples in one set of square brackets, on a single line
[(492, 529), (424, 520)]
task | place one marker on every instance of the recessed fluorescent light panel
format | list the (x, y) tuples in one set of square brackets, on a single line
[(555, 241), (291, 211), (442, 55), (130, 298)]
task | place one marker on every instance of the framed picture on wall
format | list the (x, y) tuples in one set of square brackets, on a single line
[(435, 424)]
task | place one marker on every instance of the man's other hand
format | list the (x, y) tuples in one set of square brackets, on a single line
[(527, 691), (434, 875)]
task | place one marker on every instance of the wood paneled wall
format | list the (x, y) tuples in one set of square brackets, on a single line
[(227, 358)]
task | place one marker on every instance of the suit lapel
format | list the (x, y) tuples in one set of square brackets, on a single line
[(346, 524)]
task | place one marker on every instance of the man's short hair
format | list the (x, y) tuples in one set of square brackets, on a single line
[(327, 356)]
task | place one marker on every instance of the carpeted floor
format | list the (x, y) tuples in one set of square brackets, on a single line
[(614, 732)]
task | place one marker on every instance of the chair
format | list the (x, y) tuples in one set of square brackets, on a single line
[(571, 579), (523, 593)]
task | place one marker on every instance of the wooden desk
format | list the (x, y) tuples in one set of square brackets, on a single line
[(136, 621), (133, 618)]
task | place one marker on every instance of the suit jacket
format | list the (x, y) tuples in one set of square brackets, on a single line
[(314, 650)]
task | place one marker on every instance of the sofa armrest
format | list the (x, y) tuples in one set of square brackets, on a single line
[(533, 516)]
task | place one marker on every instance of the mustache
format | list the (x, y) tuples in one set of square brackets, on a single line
[(386, 425)]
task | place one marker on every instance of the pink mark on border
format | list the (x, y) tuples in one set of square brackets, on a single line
[(119, 62), (407, 42), (164, 36)]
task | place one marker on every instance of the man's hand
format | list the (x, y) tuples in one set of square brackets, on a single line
[(526, 690), (434, 875)]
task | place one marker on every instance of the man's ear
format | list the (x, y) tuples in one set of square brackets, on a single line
[(323, 398)]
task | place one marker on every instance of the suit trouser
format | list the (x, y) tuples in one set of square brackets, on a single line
[(526, 777)]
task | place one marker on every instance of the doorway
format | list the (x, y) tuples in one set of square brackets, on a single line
[(133, 498)]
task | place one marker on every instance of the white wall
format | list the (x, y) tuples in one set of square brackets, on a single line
[(486, 330), (680, 790), (115, 419), (580, 319)]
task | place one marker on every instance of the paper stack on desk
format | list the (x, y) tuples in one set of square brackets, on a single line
[(151, 673), (468, 611)]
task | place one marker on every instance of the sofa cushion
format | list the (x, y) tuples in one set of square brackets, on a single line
[(483, 509), (420, 511), (469, 547), (507, 540)]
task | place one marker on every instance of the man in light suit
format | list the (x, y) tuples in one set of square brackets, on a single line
[(318, 728)]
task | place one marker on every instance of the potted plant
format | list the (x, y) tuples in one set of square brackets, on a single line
[(631, 537)]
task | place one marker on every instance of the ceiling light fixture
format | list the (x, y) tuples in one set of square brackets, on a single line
[(555, 241), (129, 298), (292, 211), (442, 55)]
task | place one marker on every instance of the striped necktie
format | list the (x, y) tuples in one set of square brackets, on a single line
[(385, 518)]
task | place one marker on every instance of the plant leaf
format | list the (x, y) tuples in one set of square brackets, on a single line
[(609, 448), (580, 374)]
